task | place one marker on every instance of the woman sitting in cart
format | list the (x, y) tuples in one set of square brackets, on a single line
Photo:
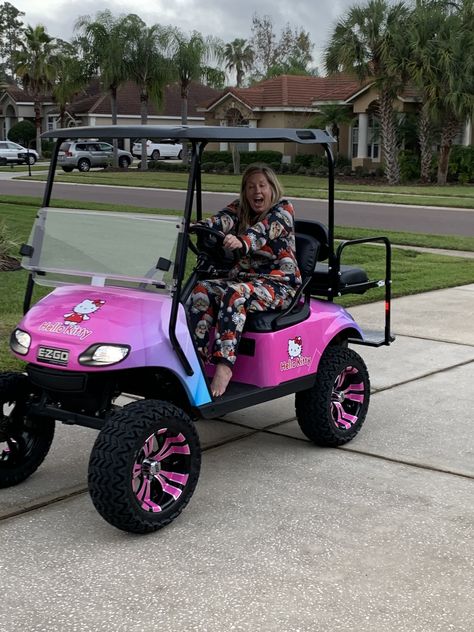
[(261, 225)]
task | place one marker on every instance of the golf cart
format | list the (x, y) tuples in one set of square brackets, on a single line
[(114, 327)]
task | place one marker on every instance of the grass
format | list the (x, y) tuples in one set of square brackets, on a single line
[(412, 271), (294, 185)]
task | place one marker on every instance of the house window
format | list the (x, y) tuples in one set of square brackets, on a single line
[(373, 138)]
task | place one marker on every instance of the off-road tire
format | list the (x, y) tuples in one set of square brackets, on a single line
[(119, 467), (24, 440), (332, 412)]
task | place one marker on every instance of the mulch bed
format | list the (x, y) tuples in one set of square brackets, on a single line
[(9, 264)]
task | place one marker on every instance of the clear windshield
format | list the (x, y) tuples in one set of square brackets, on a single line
[(103, 248)]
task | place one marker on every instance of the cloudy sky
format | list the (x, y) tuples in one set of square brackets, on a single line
[(226, 19)]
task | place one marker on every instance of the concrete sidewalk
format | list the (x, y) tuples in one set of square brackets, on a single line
[(280, 535)]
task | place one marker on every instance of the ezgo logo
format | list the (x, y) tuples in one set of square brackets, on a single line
[(53, 356)]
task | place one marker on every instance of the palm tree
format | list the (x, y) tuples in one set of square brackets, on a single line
[(332, 116), (110, 41), (440, 64), (71, 78), (363, 44), (36, 69), (150, 69), (191, 56), (239, 56)]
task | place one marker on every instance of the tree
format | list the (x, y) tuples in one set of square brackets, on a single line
[(192, 56), (440, 64), (239, 56), (109, 41), (150, 69), (291, 54), (22, 132), (363, 44), (11, 36), (71, 77), (332, 116), (36, 69)]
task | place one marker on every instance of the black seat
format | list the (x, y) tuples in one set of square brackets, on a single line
[(307, 251), (344, 279)]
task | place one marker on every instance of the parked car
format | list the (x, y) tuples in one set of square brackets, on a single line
[(15, 153), (155, 151), (86, 154)]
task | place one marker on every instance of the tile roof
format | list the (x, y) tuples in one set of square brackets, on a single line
[(128, 100), (293, 91)]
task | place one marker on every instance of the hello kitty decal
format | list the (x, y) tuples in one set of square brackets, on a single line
[(72, 323), (81, 311), (295, 355)]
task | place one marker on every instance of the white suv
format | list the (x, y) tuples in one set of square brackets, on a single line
[(155, 151), (15, 153)]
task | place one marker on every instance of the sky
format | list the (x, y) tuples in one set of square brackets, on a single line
[(227, 19)]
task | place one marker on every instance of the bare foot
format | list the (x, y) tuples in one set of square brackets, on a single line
[(221, 379)]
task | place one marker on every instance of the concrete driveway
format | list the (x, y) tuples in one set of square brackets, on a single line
[(376, 536)]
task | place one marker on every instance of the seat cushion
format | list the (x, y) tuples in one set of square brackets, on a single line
[(349, 276)]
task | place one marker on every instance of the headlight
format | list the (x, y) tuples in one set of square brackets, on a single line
[(104, 355), (20, 342)]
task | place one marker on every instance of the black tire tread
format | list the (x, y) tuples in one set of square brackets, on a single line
[(15, 387), (313, 405), (109, 478)]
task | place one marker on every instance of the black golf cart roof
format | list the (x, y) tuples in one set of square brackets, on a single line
[(195, 133)]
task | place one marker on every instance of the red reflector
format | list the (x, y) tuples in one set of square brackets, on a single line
[(387, 306)]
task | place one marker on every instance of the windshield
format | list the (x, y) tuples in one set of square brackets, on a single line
[(103, 248)]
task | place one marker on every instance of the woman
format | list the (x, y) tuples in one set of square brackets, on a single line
[(261, 224)]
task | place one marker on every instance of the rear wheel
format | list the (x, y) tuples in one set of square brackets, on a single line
[(84, 165), (155, 154), (24, 440), (180, 155), (67, 169), (144, 466), (332, 412)]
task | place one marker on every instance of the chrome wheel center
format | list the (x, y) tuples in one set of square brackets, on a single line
[(150, 468), (339, 396)]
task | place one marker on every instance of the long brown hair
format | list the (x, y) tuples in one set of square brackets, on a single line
[(247, 215)]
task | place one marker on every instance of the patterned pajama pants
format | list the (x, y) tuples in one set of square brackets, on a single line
[(225, 304)]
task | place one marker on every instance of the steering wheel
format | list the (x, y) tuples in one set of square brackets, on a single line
[(210, 240)]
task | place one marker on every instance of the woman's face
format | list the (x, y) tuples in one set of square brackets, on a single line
[(258, 192)]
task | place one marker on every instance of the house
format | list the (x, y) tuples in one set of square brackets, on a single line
[(92, 107), (284, 101), (292, 101)]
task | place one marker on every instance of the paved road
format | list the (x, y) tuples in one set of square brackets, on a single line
[(437, 221)]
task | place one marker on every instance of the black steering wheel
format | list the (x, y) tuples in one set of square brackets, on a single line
[(210, 241)]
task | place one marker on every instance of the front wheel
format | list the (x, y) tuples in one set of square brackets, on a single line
[(155, 155), (24, 440), (332, 412), (84, 165), (123, 162), (144, 466)]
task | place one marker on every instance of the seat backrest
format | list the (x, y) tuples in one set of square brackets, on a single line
[(307, 249), (318, 231)]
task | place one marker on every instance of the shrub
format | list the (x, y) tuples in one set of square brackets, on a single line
[(22, 133), (217, 156), (461, 164), (409, 165), (246, 157)]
